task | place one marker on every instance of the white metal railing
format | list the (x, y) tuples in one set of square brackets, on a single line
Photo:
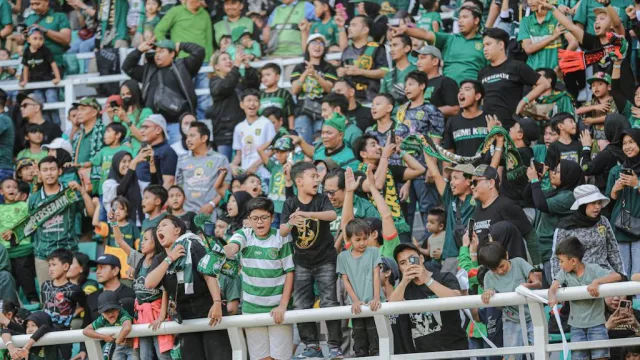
[(235, 324)]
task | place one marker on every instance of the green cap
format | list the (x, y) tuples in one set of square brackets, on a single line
[(166, 44), (600, 76), (238, 33), (88, 101), (283, 144), (337, 122)]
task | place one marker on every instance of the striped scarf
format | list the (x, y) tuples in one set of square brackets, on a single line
[(183, 267)]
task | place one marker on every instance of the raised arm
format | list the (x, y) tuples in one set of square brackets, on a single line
[(574, 29)]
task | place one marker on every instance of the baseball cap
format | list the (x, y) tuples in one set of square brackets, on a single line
[(488, 172), (283, 144), (315, 37), (24, 162), (166, 44), (530, 129), (467, 169), (106, 259), (402, 247), (391, 264), (428, 50), (600, 10), (23, 96), (160, 121), (108, 300), (59, 143), (600, 76), (34, 30), (89, 101)]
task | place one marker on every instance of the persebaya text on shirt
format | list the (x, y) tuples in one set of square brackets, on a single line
[(495, 77)]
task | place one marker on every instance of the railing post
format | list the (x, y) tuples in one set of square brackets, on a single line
[(385, 336), (69, 98), (238, 346), (94, 350), (540, 330)]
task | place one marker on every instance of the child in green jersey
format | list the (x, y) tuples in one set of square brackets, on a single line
[(112, 314), (275, 96), (33, 143), (281, 151)]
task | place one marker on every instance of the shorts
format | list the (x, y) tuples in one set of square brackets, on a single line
[(589, 334), (270, 341)]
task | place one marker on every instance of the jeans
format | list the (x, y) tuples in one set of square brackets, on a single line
[(201, 81), (49, 96), (124, 352), (24, 271), (325, 276), (589, 334), (5, 174), (149, 347), (548, 276), (83, 46), (512, 336), (630, 253), (174, 133), (365, 337), (306, 127), (275, 224), (225, 150), (208, 345)]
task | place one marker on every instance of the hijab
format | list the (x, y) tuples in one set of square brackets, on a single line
[(509, 236), (570, 176), (579, 220), (132, 193), (634, 162), (614, 126), (242, 198)]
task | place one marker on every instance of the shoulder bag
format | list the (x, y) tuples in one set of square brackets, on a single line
[(625, 222)]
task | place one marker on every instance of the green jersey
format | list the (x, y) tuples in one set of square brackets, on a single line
[(265, 264), (343, 157), (11, 214), (101, 322), (186, 26), (465, 57), (26, 153), (393, 83), (362, 208), (136, 118), (281, 99), (351, 134), (103, 161), (330, 31), (276, 185), (428, 18), (130, 234), (7, 139), (587, 17), (532, 29), (546, 222), (151, 223), (225, 27)]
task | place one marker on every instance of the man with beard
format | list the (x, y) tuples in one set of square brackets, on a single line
[(197, 171)]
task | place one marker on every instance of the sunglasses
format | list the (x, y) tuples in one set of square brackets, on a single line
[(25, 105), (475, 182)]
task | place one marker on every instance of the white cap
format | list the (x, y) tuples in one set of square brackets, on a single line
[(586, 194), (316, 36), (59, 143), (160, 121)]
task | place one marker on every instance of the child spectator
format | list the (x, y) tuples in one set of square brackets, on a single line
[(112, 314), (326, 26), (39, 65), (220, 230), (436, 222), (9, 72), (37, 324), (26, 170), (504, 276), (225, 43), (237, 211), (266, 257), (540, 151), (553, 100), (586, 317), (566, 147), (153, 200), (358, 267), (33, 143), (251, 183), (20, 251), (429, 16), (150, 19), (273, 95), (61, 299), (282, 150), (175, 205), (121, 208), (241, 38), (308, 218)]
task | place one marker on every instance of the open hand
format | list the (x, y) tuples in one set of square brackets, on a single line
[(585, 138)]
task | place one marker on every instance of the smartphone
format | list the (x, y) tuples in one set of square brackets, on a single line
[(539, 167), (413, 260), (625, 305), (114, 104), (394, 22), (626, 171), (393, 136), (470, 226), (209, 229)]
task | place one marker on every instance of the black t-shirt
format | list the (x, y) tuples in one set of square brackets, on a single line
[(442, 91), (503, 85), (502, 209), (188, 219), (190, 306), (515, 189), (125, 295), (315, 245), (366, 88), (361, 116), (39, 64), (401, 328), (592, 42), (438, 330), (465, 136), (558, 151)]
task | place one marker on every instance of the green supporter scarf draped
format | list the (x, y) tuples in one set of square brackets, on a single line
[(184, 264), (60, 202), (514, 167), (216, 261)]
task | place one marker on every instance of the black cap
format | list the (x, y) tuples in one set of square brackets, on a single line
[(402, 247), (108, 300), (393, 266), (106, 259), (488, 172), (529, 128)]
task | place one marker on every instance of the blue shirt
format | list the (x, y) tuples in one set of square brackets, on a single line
[(166, 162)]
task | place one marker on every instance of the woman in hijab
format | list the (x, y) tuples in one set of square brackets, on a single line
[(237, 210), (623, 188), (610, 156), (592, 229), (510, 237), (123, 181), (553, 206)]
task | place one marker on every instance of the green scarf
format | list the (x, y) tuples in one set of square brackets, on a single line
[(61, 201), (184, 264), (215, 262), (552, 98)]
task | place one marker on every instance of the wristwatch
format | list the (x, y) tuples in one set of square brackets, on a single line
[(430, 282), (168, 260)]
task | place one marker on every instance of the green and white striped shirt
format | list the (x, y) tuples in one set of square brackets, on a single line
[(265, 264)]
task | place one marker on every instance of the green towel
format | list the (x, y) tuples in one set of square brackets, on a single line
[(184, 265)]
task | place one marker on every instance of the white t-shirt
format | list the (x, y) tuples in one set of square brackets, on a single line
[(249, 137)]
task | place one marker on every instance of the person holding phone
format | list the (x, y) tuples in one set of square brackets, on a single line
[(623, 321), (623, 186)]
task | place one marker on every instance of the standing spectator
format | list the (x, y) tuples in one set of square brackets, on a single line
[(504, 79), (282, 23), (31, 110), (233, 19), (307, 217), (465, 133), (566, 147), (88, 142), (155, 134), (113, 31), (331, 27), (190, 23), (357, 114), (33, 144), (39, 65), (381, 109), (586, 14), (132, 114), (54, 25), (273, 95), (431, 331), (441, 90), (363, 62), (464, 51), (197, 171), (592, 229), (226, 85), (7, 139), (379, 21), (169, 75), (310, 82), (393, 81)]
